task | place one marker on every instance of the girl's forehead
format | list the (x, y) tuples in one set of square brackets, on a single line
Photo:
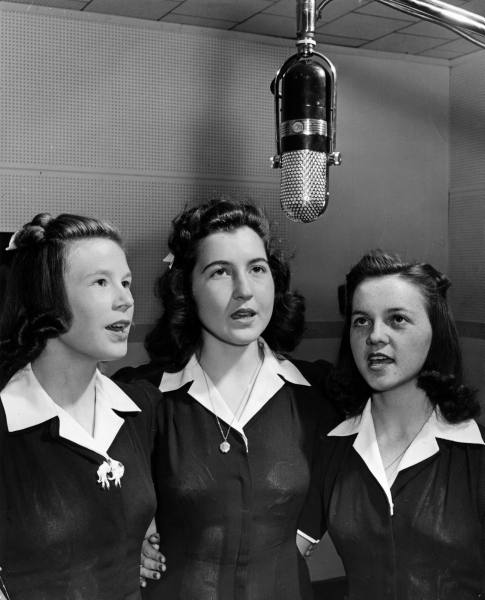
[(388, 291), (240, 241)]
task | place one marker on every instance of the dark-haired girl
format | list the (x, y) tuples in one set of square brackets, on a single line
[(400, 484), (237, 425), (76, 495)]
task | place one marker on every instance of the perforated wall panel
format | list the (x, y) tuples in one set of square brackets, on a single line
[(130, 121), (467, 188), (111, 96), (142, 210)]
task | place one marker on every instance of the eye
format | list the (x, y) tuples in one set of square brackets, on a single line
[(399, 319), (101, 281), (360, 322), (220, 272), (259, 269), (126, 283)]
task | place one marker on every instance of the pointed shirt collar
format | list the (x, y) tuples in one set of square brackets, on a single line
[(27, 404), (422, 447), (274, 372)]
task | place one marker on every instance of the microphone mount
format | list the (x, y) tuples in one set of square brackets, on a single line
[(463, 22)]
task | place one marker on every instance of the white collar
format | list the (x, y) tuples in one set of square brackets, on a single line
[(27, 404), (274, 372), (422, 447)]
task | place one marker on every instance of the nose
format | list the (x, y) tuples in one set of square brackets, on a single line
[(377, 335), (242, 287), (124, 299)]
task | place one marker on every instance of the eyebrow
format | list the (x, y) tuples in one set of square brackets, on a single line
[(107, 273), (388, 310), (227, 262)]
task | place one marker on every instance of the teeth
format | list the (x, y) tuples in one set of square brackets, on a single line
[(116, 327)]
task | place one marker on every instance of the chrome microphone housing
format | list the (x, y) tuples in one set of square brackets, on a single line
[(305, 115)]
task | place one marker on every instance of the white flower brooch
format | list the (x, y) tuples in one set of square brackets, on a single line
[(110, 470)]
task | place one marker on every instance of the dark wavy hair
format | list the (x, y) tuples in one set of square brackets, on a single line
[(178, 332), (441, 374), (35, 307)]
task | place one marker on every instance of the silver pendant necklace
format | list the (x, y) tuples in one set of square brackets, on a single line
[(225, 446)]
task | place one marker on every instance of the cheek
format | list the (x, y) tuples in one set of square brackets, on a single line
[(208, 301), (425, 345), (357, 344)]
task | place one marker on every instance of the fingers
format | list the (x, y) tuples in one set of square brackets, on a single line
[(149, 574), (151, 568), (151, 551)]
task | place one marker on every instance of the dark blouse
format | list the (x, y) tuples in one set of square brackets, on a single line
[(228, 522), (62, 536), (430, 548)]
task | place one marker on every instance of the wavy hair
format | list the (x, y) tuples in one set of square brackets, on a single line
[(441, 374), (35, 308), (178, 332)]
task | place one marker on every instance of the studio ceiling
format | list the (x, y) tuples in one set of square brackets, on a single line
[(352, 23)]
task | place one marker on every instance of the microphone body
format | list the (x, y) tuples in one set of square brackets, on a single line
[(305, 112), (304, 143)]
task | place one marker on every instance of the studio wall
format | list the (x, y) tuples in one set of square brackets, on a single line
[(132, 120), (467, 211)]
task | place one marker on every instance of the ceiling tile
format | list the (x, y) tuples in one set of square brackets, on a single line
[(381, 10), (338, 8), (173, 17), (266, 24), (284, 8), (335, 9), (69, 4), (475, 6), (400, 42), (230, 10), (336, 40), (439, 53), (141, 9), (361, 26), (431, 30), (461, 46)]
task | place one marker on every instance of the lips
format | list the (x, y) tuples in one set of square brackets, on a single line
[(378, 359), (119, 326), (243, 313)]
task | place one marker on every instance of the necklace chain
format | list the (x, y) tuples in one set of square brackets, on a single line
[(225, 446), (401, 454)]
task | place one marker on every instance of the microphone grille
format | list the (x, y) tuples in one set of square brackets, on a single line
[(303, 192)]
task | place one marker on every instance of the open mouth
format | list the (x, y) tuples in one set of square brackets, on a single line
[(119, 326), (377, 359), (243, 313)]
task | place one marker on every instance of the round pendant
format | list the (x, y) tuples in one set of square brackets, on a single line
[(224, 447)]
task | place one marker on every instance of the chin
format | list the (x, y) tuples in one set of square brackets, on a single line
[(110, 356)]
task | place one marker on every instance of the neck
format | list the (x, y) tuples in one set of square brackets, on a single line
[(65, 380), (398, 412), (219, 360)]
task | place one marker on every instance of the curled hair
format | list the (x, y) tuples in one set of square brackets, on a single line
[(441, 374), (35, 307), (178, 332)]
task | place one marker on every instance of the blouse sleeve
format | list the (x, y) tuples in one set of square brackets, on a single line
[(312, 522), (3, 484)]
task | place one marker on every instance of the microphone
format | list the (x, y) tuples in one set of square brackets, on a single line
[(305, 113)]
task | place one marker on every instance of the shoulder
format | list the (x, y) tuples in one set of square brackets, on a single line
[(145, 395), (315, 372), (150, 372), (3, 422)]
